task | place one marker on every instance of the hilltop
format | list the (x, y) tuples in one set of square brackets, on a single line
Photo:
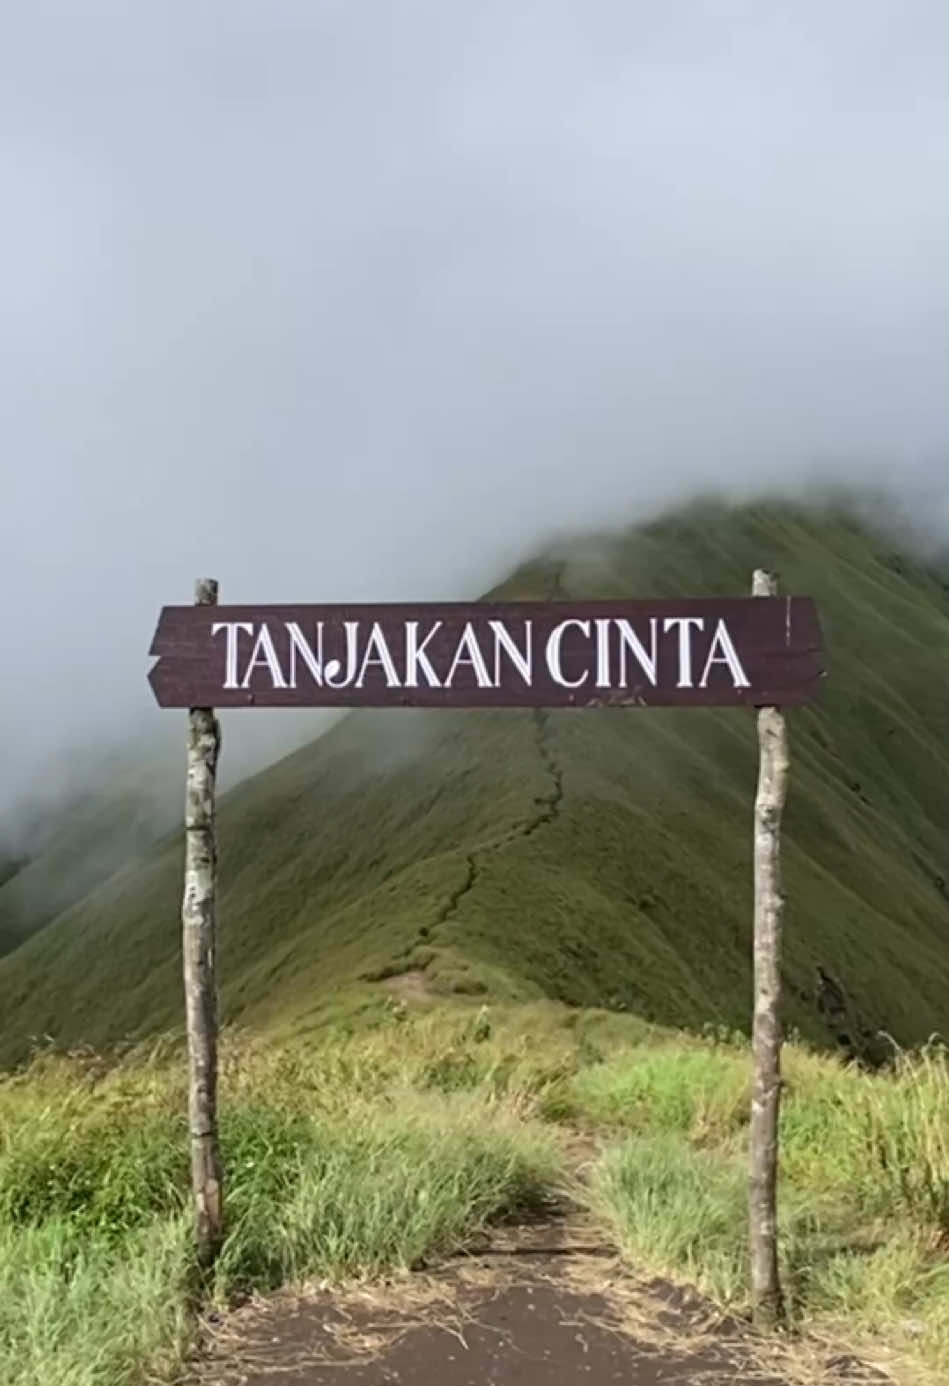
[(601, 858)]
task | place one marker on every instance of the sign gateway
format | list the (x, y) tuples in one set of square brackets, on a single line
[(763, 651), (754, 651)]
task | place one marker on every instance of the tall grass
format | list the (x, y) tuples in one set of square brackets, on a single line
[(365, 1154), (378, 1192), (335, 1168), (864, 1196), (78, 1309)]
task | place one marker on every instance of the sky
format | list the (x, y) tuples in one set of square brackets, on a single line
[(344, 299)]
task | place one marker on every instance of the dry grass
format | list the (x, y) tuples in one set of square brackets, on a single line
[(370, 1154)]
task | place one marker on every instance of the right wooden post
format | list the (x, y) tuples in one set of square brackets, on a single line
[(774, 764)]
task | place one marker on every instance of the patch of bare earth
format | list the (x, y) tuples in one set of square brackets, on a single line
[(523, 1320), (408, 986), (544, 1301)]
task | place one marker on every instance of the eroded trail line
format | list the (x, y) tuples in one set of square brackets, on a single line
[(554, 799), (547, 809), (453, 903)]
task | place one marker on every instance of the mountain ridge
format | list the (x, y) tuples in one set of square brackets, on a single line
[(601, 858)]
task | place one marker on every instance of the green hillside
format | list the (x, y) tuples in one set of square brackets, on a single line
[(82, 845), (599, 857), (10, 933), (9, 867)]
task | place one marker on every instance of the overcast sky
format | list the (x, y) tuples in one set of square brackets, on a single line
[(350, 299)]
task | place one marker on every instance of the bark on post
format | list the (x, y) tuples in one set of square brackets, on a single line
[(199, 927), (774, 763)]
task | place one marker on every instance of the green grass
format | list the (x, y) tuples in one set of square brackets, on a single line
[(78, 1310), (864, 1200), (9, 866), (85, 841), (337, 1166), (372, 1153), (352, 859)]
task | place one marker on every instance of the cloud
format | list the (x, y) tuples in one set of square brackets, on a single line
[(335, 300)]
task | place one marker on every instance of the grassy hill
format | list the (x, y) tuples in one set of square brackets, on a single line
[(82, 844), (597, 857), (10, 933), (9, 867)]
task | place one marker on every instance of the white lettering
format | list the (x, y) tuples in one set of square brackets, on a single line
[(333, 666), (603, 624), (629, 640), (312, 659), (264, 655), (554, 653), (416, 658), (230, 656), (685, 644), (729, 656), (475, 659), (382, 657), (521, 659)]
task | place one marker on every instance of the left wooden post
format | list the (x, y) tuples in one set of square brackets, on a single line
[(199, 943)]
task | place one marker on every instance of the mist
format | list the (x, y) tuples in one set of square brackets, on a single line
[(339, 301)]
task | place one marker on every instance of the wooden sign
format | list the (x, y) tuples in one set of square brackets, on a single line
[(702, 652)]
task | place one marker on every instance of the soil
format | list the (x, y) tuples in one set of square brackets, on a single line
[(544, 1303), (408, 986)]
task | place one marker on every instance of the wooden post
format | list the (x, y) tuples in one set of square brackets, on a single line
[(199, 927), (767, 1302)]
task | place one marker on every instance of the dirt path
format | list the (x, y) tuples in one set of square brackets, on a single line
[(544, 1303), (532, 1328)]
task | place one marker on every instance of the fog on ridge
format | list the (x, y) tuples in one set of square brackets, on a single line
[(365, 301)]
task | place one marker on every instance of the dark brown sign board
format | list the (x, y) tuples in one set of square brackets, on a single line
[(752, 651)]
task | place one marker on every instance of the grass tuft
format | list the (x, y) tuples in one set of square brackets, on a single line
[(340, 1161)]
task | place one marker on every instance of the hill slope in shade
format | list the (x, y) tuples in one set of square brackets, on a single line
[(129, 801), (599, 857), (83, 843), (10, 932)]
